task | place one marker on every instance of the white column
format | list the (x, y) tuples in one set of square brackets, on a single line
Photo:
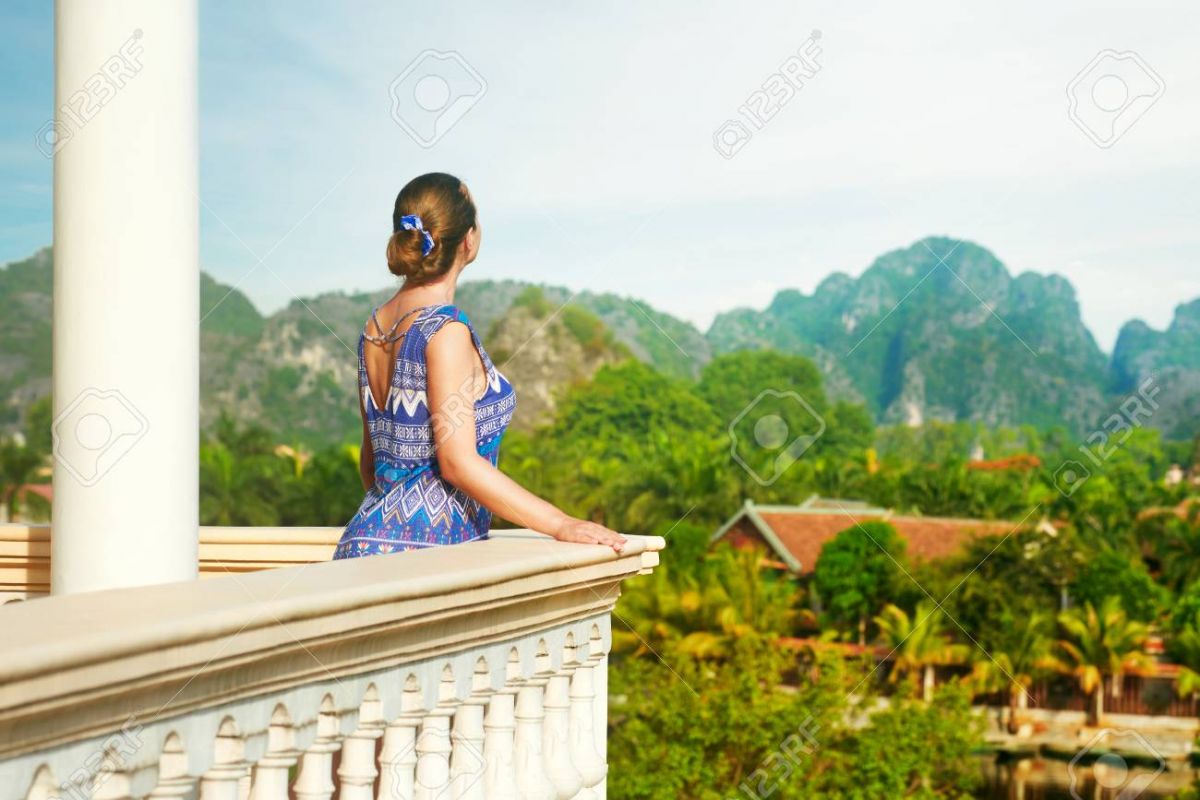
[(126, 294)]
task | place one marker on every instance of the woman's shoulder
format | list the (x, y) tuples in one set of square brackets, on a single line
[(442, 315)]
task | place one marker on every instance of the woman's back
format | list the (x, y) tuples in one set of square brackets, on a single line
[(410, 505)]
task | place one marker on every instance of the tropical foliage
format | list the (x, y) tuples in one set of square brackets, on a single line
[(730, 675)]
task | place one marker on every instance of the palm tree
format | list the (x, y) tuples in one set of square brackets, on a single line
[(1181, 549), (671, 477), (1015, 668), (704, 617), (19, 465), (1185, 649), (742, 602), (918, 644), (655, 611), (1097, 644), (234, 490)]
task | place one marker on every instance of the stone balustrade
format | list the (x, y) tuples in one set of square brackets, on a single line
[(25, 553), (476, 671)]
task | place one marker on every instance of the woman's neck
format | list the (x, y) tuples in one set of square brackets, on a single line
[(440, 292)]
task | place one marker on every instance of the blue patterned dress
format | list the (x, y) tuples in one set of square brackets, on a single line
[(410, 506)]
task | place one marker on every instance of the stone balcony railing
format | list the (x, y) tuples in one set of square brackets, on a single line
[(476, 671), (25, 553)]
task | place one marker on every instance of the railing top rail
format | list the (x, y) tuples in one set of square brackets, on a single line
[(53, 632), (78, 665)]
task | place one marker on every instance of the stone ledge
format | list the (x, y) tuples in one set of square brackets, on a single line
[(79, 664)]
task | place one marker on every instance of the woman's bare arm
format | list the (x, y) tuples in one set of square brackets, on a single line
[(454, 372)]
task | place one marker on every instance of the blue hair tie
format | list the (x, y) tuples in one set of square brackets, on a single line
[(411, 222)]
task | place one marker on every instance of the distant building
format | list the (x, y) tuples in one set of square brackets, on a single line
[(1174, 475), (796, 534)]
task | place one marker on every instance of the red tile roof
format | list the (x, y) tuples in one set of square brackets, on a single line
[(804, 533)]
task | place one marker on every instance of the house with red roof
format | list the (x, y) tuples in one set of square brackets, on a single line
[(796, 534)]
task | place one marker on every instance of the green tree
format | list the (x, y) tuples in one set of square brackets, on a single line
[(918, 644), (1184, 648), (1181, 549), (19, 465), (24, 460), (911, 749), (1111, 573), (1014, 668), (732, 381), (733, 599), (1098, 644), (322, 488), (235, 491), (857, 571)]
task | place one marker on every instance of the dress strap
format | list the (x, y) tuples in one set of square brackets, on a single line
[(391, 336)]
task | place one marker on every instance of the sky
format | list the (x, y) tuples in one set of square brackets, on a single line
[(586, 133)]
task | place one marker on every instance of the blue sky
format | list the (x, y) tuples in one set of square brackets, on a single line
[(591, 151)]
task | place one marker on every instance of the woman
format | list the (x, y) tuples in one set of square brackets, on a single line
[(433, 405)]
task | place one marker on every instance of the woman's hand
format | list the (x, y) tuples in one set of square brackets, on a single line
[(584, 532)]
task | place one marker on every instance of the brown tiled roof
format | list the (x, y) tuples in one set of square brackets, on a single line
[(803, 534), (1022, 462)]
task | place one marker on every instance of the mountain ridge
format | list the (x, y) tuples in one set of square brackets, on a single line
[(940, 329)]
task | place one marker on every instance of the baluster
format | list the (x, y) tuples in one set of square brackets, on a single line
[(44, 787), (466, 756), (530, 714), (398, 759), (433, 744), (111, 781), (224, 781), (499, 727), (556, 731), (173, 778), (583, 742), (271, 772), (357, 772), (599, 658), (467, 761), (433, 757), (315, 781)]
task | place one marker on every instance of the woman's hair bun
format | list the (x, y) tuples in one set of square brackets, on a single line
[(405, 255), (446, 213)]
